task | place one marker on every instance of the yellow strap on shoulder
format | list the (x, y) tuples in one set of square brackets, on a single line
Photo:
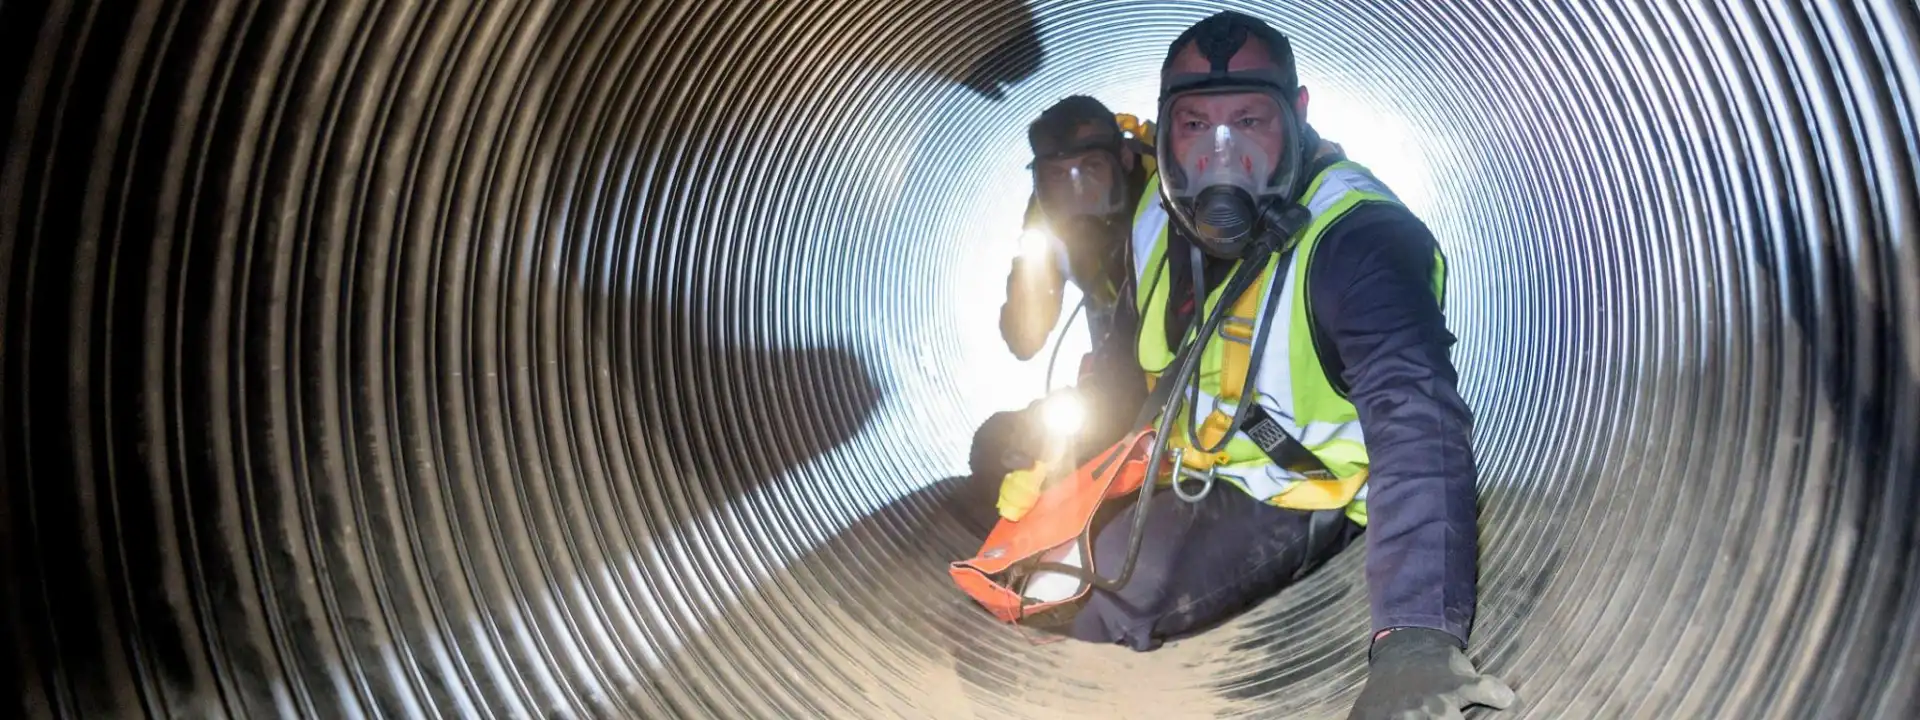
[(1142, 131), (1237, 332)]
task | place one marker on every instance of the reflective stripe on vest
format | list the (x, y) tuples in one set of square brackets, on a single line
[(1295, 393)]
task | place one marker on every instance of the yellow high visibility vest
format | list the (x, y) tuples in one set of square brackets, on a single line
[(1296, 393)]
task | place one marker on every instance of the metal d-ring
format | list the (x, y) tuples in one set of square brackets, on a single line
[(1181, 472)]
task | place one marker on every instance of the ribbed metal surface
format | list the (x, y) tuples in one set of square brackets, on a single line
[(599, 359)]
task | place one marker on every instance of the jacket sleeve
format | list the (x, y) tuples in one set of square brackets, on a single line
[(1032, 306), (1372, 300), (1033, 296)]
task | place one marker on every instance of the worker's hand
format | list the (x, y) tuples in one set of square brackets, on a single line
[(1420, 674), (1020, 490)]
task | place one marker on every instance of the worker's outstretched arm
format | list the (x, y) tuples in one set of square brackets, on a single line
[(1034, 287), (1373, 301)]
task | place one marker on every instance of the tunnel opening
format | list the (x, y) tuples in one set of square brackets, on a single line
[(530, 359)]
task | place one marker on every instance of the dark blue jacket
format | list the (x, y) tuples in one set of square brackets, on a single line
[(1369, 283)]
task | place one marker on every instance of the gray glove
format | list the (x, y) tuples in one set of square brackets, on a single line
[(1420, 674)]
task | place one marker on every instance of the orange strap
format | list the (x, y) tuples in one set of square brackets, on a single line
[(1063, 514)]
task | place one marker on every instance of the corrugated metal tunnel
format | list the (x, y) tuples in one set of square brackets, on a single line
[(602, 359)]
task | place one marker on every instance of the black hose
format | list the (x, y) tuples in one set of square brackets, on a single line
[(603, 358)]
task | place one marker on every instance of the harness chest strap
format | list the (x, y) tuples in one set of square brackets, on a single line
[(1236, 357), (1317, 488), (1237, 334)]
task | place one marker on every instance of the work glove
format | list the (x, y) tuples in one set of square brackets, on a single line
[(1020, 490), (1420, 674)]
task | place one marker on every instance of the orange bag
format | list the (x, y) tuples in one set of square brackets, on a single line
[(1059, 523)]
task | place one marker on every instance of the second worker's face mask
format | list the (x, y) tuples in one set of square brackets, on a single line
[(1080, 188), (1225, 158)]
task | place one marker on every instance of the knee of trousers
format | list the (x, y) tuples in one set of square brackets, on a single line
[(1128, 615), (1105, 620)]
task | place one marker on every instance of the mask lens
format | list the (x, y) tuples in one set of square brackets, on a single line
[(1078, 186), (1225, 157)]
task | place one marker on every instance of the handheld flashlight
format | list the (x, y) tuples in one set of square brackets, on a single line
[(1064, 415)]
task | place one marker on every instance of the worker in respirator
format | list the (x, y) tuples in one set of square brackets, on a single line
[(1089, 168), (1291, 327)]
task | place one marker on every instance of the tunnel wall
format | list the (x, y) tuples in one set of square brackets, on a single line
[(601, 359)]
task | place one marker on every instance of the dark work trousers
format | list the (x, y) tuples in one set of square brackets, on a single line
[(1201, 563)]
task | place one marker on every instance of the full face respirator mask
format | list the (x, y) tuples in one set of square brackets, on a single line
[(1231, 145)]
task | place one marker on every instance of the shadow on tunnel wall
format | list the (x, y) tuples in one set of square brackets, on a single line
[(314, 396), (1013, 50), (133, 543)]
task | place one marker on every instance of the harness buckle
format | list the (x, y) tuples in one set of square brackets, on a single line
[(1206, 481), (1237, 330)]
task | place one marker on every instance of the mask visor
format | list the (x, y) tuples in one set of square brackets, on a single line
[(1225, 158), (1080, 185)]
